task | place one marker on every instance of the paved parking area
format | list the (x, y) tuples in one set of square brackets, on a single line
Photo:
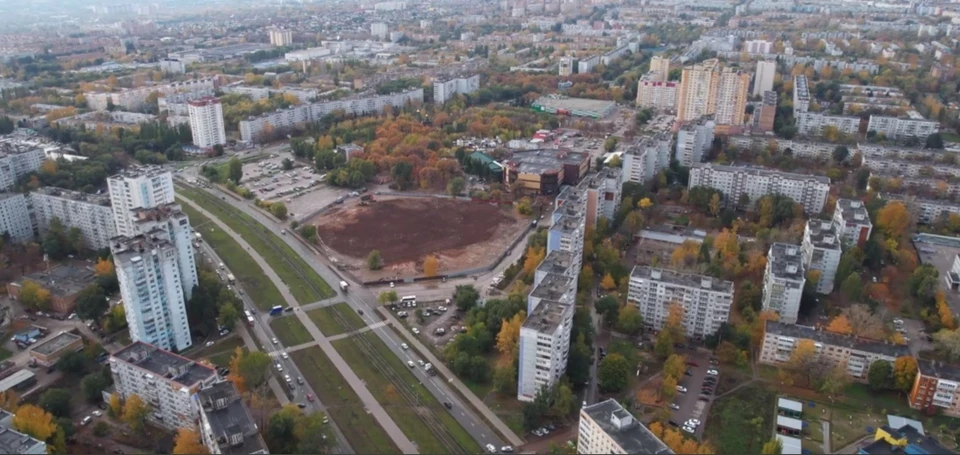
[(300, 188), (692, 404)]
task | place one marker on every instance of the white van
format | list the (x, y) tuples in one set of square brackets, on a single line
[(86, 420)]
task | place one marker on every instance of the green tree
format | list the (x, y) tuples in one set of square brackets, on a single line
[(387, 297), (234, 170), (505, 378), (92, 303), (312, 434), (466, 297), (254, 368), (609, 308), (73, 363), (852, 286), (280, 433), (33, 296), (228, 316), (934, 141), (629, 320), (374, 261), (279, 210), (56, 402), (94, 384), (880, 375), (610, 144), (772, 447), (840, 154), (564, 402), (579, 361), (456, 186), (923, 282), (613, 373)]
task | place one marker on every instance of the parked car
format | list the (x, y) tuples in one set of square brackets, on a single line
[(712, 372), (681, 389), (693, 422), (674, 406), (506, 449), (688, 429), (310, 397)]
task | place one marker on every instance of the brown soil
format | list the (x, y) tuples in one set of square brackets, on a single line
[(405, 230)]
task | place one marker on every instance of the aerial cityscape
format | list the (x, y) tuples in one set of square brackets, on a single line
[(446, 227)]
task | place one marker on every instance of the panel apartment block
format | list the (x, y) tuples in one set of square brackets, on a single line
[(706, 301), (810, 191)]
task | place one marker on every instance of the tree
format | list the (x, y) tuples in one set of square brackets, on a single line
[(9, 400), (609, 308), (93, 385), (934, 141), (947, 319), (893, 219), (949, 341), (840, 324), (188, 442), (613, 373), (509, 337), (386, 297), (505, 378), (234, 170), (431, 266), (607, 283), (104, 267), (772, 447), (532, 260), (840, 154), (904, 373), (456, 186), (92, 303), (253, 368), (863, 322), (35, 422), (715, 204), (564, 402), (466, 297), (227, 317), (685, 255), (312, 434), (279, 210), (674, 366), (280, 432), (135, 412), (115, 407), (32, 295), (923, 282), (610, 144), (56, 402), (852, 287), (629, 320), (374, 262), (880, 375), (73, 363), (803, 357), (668, 388)]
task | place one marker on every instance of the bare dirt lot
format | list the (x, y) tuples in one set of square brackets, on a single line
[(405, 230)]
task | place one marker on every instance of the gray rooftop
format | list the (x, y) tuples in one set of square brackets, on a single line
[(630, 434), (126, 248), (139, 171), (579, 104), (567, 224), (762, 172), (97, 199), (12, 441), (544, 160), (16, 148), (547, 316), (939, 369), (62, 280), (785, 261), (553, 287), (228, 417), (682, 279), (852, 210), (166, 364), (557, 262), (823, 234), (835, 339), (9, 195), (15, 379), (570, 196), (58, 342), (158, 213)]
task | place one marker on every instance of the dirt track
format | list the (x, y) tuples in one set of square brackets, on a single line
[(406, 230)]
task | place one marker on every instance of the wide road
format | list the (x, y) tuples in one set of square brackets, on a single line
[(363, 299)]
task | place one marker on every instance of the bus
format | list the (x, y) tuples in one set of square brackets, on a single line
[(276, 310), (249, 317), (408, 299)]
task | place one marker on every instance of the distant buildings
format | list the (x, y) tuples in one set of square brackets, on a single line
[(706, 301), (914, 125), (821, 251), (16, 160), (544, 171), (801, 95), (577, 107), (136, 98), (758, 47), (446, 89), (606, 427), (172, 66), (659, 68), (734, 182), (566, 66), (765, 116), (206, 122), (696, 96), (655, 94), (763, 79), (162, 379), (15, 218), (694, 140), (603, 194), (814, 124), (379, 30), (852, 222), (280, 38), (226, 425), (783, 281)]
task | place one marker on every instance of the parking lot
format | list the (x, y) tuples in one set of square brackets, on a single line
[(300, 188), (440, 320), (693, 404)]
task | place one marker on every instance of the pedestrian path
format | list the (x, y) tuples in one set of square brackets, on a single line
[(368, 328)]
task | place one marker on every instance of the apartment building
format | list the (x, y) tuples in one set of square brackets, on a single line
[(936, 388), (852, 222), (162, 379), (206, 122), (135, 188), (895, 151), (763, 78), (136, 98), (732, 92), (16, 160), (606, 427), (172, 66), (148, 269), (379, 30), (697, 95), (566, 233), (814, 124), (544, 347), (226, 425), (810, 191), (280, 38), (911, 167), (801, 95), (645, 158), (656, 94), (928, 211), (783, 281), (15, 218), (758, 46), (814, 150), (254, 128), (90, 213), (659, 68), (821, 251), (170, 219), (913, 125), (694, 140), (445, 89), (603, 196), (767, 113), (566, 66), (780, 339), (706, 301)]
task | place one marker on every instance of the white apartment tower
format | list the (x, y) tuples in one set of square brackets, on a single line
[(206, 122), (280, 38), (656, 94), (706, 301), (15, 218), (170, 219), (379, 30), (783, 281), (646, 157), (659, 69), (852, 221), (810, 191), (446, 89), (758, 46), (91, 213), (694, 139), (763, 79), (137, 188), (731, 97), (821, 251), (566, 66)]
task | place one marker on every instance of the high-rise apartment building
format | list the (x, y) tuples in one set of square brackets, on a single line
[(379, 30), (148, 269), (705, 300), (16, 160), (603, 194), (226, 425), (732, 92), (763, 79), (659, 68), (90, 213), (694, 139), (162, 379), (137, 188), (206, 122), (767, 113), (544, 347), (852, 221), (646, 157), (280, 38), (821, 251), (810, 191), (758, 46), (801, 95), (15, 218), (566, 66), (656, 94), (696, 96), (783, 281), (606, 427), (170, 219)]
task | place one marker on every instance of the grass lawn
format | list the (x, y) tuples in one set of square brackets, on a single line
[(290, 331), (950, 137), (406, 417), (324, 319), (5, 354), (362, 431), (220, 353), (248, 273), (742, 421), (281, 258)]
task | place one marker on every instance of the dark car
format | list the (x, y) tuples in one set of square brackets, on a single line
[(447, 405), (692, 364), (674, 423), (360, 311), (301, 405), (288, 309), (688, 373)]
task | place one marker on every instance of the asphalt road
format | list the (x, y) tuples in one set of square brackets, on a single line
[(359, 298)]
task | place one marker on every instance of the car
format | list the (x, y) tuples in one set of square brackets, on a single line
[(288, 309), (208, 344), (536, 433), (507, 449), (897, 321), (712, 372), (284, 355), (299, 380), (86, 420), (97, 413), (310, 397), (674, 406), (279, 367), (692, 364), (72, 316), (688, 429), (688, 373), (693, 422), (420, 362), (326, 420), (550, 427), (286, 378), (391, 284), (301, 405), (360, 311), (491, 448), (674, 423), (410, 363), (274, 340), (714, 362), (404, 346), (415, 331), (447, 405), (681, 389)]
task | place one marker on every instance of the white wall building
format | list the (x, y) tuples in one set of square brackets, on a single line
[(280, 37), (603, 194), (162, 379), (544, 347), (226, 425), (656, 94), (206, 122), (137, 188), (444, 90), (801, 94), (135, 98), (606, 427), (706, 301), (758, 47), (810, 191), (566, 66), (15, 218), (821, 251), (15, 442), (645, 158), (783, 281), (379, 30), (694, 140), (763, 78), (814, 124), (895, 128), (91, 213), (16, 160), (852, 221), (173, 66), (171, 219)]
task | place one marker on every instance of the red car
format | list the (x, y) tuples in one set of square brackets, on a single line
[(310, 397), (692, 364)]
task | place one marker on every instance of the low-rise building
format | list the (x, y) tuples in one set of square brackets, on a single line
[(821, 251), (810, 191), (706, 301), (15, 442), (48, 352), (936, 388), (928, 211), (852, 221), (15, 218), (543, 171), (783, 281), (226, 425), (577, 107), (63, 281), (606, 427), (902, 435)]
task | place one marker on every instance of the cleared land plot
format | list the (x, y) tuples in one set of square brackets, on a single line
[(432, 437), (326, 321), (290, 331), (220, 353), (742, 421), (248, 273), (362, 431), (304, 283), (462, 234)]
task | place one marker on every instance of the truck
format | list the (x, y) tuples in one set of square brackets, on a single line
[(276, 310), (230, 278), (344, 286)]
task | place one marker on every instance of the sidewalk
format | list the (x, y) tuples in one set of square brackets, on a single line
[(272, 382)]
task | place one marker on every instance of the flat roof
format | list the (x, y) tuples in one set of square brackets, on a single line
[(165, 364), (97, 199), (228, 416), (56, 343), (786, 261), (761, 171), (15, 379), (62, 280), (690, 280), (557, 262), (633, 437), (789, 445), (852, 210), (13, 441), (789, 422), (823, 234), (543, 161), (553, 287), (835, 339), (789, 404), (578, 104), (939, 370), (547, 316)]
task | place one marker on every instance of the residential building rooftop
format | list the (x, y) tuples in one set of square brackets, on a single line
[(552, 287), (58, 342), (14, 442), (682, 279), (98, 199), (230, 421), (762, 172), (939, 369), (546, 317), (836, 339), (786, 261), (544, 160), (856, 209), (165, 364), (624, 429), (557, 262), (823, 234)]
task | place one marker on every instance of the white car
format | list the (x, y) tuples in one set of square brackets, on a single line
[(898, 321), (693, 423), (415, 331), (279, 368), (674, 406), (688, 429), (97, 413), (404, 346), (410, 363), (491, 448), (712, 372), (681, 389), (284, 354), (274, 340), (208, 344)]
